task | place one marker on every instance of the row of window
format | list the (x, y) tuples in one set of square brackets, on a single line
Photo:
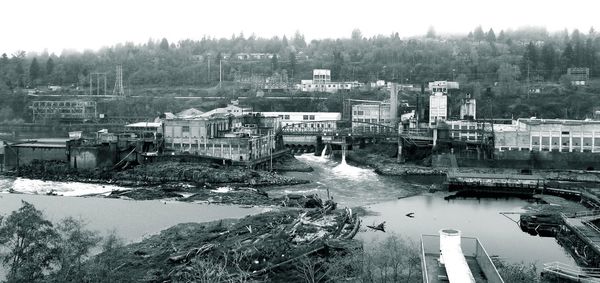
[(370, 120), (505, 148), (329, 86), (312, 125)]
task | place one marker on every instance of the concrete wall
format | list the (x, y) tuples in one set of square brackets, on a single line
[(528, 159), (299, 140), (90, 157), (17, 156)]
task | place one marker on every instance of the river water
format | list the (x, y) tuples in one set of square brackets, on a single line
[(388, 198), (353, 186)]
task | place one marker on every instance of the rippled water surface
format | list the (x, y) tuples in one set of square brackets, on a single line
[(481, 218), (389, 198)]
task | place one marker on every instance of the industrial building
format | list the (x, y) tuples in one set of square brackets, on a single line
[(578, 76), (321, 82), (548, 135), (438, 100), (468, 108), (325, 120), (249, 137)]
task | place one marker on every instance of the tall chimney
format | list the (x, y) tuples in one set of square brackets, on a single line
[(393, 104)]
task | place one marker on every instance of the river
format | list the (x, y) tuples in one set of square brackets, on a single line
[(353, 186), (388, 198)]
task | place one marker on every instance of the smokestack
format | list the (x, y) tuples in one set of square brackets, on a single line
[(394, 104)]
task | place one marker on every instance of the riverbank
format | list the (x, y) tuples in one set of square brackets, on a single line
[(382, 159), (186, 181), (272, 246)]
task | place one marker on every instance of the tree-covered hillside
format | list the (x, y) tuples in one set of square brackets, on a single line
[(511, 63)]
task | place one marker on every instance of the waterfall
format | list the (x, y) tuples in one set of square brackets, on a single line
[(324, 152), (343, 156)]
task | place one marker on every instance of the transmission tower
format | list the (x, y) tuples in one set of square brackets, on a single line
[(96, 80), (118, 90)]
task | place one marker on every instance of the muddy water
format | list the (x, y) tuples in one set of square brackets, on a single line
[(132, 220), (349, 185), (354, 186)]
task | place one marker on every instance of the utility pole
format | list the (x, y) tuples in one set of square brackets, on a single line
[(220, 73), (271, 151)]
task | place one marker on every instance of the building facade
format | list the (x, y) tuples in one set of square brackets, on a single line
[(365, 117), (468, 108), (244, 138), (438, 100), (549, 135), (321, 82), (302, 120)]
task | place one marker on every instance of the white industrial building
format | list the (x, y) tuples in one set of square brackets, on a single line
[(549, 135), (468, 108), (438, 100), (324, 120), (321, 82)]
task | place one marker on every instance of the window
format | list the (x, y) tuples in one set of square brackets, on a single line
[(312, 117), (185, 129), (565, 133), (287, 117), (361, 112), (305, 117)]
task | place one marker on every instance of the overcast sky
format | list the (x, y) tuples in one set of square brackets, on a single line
[(35, 25)]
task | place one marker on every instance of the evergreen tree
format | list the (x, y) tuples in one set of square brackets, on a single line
[(580, 56), (529, 62), (590, 54), (491, 36), (568, 57), (292, 70), (274, 63), (34, 70), (284, 41), (299, 40), (49, 66), (164, 44), (548, 59), (501, 36), (338, 62), (478, 34)]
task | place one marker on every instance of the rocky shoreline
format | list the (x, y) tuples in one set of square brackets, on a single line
[(384, 164), (185, 181)]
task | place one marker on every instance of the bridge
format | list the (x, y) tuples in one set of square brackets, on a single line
[(312, 136)]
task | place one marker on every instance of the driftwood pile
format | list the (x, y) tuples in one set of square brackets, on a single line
[(260, 247), (253, 248)]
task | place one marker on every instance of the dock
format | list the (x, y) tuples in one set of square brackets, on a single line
[(495, 183), (581, 224), (463, 261)]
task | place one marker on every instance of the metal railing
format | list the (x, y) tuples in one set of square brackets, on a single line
[(573, 272), (470, 246)]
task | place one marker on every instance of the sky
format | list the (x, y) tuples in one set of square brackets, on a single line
[(55, 25)]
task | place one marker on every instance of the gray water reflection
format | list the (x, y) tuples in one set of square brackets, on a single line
[(132, 220), (475, 217), (350, 185)]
